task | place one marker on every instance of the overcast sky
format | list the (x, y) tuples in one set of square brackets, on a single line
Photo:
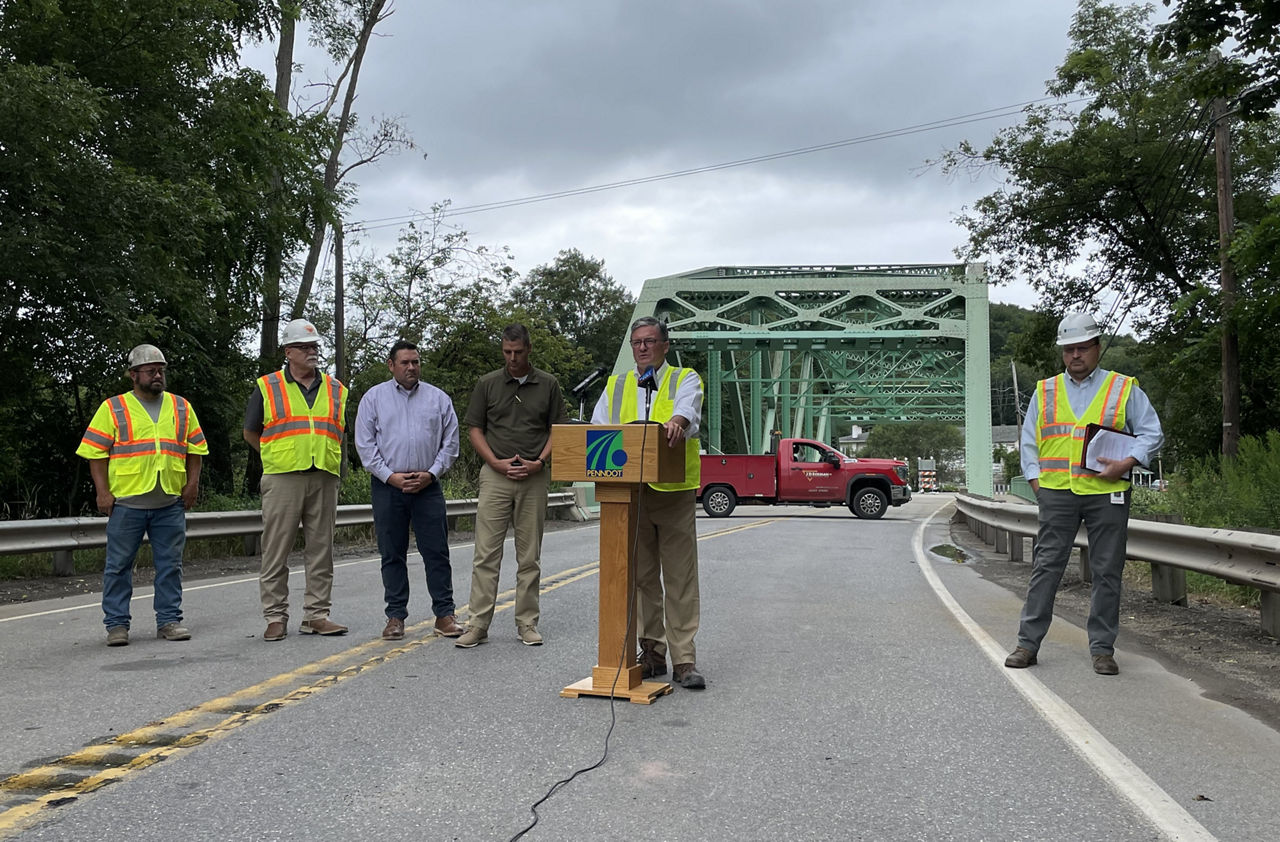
[(512, 98)]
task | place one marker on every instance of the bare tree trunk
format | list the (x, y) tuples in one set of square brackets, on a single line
[(339, 307), (289, 14), (331, 166)]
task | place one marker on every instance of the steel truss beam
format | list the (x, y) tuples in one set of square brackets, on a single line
[(796, 348)]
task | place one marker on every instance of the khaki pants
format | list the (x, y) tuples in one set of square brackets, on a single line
[(667, 600), (309, 498), (522, 503)]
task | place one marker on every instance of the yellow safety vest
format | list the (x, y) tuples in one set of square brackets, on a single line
[(1060, 435), (296, 436), (624, 408), (139, 448)]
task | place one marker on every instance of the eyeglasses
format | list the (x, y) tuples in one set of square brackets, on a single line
[(150, 372), (1072, 350), (647, 342)]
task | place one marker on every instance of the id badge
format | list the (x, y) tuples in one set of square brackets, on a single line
[(1117, 498)]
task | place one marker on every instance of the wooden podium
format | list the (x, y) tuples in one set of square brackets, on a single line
[(618, 459)]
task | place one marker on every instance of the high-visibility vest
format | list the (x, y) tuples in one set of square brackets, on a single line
[(296, 436), (624, 408), (139, 448), (1060, 435)]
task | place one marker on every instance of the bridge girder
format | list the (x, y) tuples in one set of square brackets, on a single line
[(794, 348)]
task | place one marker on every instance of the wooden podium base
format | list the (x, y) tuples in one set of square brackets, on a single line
[(628, 685), (635, 454)]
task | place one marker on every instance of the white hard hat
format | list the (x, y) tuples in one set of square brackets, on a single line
[(1077, 327), (144, 355), (300, 332)]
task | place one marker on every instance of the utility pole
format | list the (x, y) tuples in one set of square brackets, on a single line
[(339, 306), (1230, 341), (1017, 398)]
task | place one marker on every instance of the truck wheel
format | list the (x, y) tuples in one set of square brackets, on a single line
[(718, 501), (869, 503)]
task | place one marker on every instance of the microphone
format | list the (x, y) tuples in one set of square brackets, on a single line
[(595, 375), (647, 381)]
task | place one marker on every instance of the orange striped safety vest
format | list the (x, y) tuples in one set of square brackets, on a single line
[(1060, 435), (296, 436), (139, 448)]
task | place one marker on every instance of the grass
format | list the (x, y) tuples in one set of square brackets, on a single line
[(1200, 587), (948, 551)]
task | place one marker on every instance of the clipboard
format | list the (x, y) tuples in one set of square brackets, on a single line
[(1108, 446)]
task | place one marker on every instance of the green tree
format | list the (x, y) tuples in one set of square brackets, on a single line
[(1115, 197), (576, 298), (914, 440), (134, 175), (1248, 27), (434, 280)]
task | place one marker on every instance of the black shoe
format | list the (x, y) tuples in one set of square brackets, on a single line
[(651, 663), (688, 677), (1020, 658), (1105, 665)]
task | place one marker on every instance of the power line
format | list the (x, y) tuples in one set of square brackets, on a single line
[(948, 122)]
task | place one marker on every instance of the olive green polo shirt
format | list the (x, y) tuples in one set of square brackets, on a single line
[(516, 417)]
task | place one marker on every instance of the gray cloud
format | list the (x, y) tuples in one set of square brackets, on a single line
[(509, 99)]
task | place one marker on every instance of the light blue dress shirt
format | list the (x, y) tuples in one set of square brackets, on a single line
[(1139, 418), (403, 431)]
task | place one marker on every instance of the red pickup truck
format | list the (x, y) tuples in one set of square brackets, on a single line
[(802, 472)]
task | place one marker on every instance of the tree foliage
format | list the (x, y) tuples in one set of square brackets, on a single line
[(915, 440), (576, 298), (133, 162), (453, 297), (1110, 194), (1249, 27)]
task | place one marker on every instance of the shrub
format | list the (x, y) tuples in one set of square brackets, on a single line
[(1232, 493)]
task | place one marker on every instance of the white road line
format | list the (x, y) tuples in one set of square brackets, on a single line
[(1169, 818)]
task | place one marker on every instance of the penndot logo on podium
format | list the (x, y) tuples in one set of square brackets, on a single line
[(605, 456)]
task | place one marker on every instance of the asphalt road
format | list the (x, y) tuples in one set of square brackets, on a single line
[(854, 692)]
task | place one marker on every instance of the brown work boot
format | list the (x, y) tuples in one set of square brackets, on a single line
[(1105, 665), (276, 630), (173, 631), (688, 677), (394, 629), (651, 663), (1020, 658), (448, 626), (323, 626)]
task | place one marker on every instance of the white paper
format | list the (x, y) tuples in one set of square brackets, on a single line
[(1109, 445)]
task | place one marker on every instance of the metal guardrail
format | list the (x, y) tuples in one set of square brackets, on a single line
[(61, 536), (1242, 558)]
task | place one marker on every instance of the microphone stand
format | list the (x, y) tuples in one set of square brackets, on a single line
[(581, 390)]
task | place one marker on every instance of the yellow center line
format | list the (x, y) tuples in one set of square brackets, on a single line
[(333, 669)]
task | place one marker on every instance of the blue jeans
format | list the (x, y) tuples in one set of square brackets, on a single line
[(393, 512), (167, 529)]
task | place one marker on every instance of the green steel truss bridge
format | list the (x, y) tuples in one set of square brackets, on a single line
[(798, 348)]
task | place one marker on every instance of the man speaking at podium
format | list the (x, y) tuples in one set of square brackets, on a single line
[(667, 542)]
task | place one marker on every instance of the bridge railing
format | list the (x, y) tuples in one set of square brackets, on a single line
[(62, 536), (1236, 556)]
